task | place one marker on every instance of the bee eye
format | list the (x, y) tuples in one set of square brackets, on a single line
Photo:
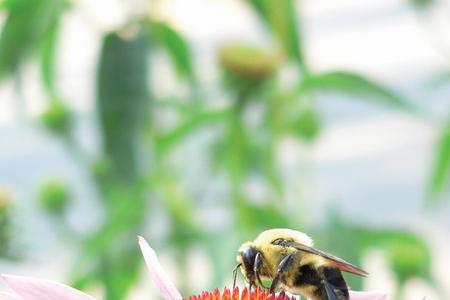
[(279, 242), (248, 257)]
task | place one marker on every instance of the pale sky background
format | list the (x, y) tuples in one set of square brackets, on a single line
[(363, 151)]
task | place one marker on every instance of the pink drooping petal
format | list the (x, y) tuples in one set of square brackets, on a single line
[(367, 296), (159, 276), (8, 296), (40, 289)]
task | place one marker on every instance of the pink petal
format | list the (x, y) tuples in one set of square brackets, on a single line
[(367, 296), (160, 278), (8, 296), (39, 289)]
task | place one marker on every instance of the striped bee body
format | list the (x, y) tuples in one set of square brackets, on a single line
[(287, 258)]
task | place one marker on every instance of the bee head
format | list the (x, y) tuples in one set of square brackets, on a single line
[(246, 258)]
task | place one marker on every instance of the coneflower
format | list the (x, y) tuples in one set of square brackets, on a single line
[(26, 288)]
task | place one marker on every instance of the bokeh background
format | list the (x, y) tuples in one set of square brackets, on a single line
[(200, 123)]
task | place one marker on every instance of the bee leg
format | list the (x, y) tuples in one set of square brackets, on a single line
[(283, 267), (235, 275), (333, 283), (274, 284), (257, 267), (258, 278)]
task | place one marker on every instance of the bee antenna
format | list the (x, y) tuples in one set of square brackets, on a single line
[(235, 275)]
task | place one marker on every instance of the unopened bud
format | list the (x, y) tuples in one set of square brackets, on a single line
[(54, 196), (56, 117), (306, 125), (248, 62)]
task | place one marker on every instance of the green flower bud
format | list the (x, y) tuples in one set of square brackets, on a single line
[(408, 260), (247, 62), (307, 124), (54, 196), (56, 117)]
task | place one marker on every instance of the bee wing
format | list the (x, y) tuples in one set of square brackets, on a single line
[(338, 262)]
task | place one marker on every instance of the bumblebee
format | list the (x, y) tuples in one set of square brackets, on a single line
[(287, 258)]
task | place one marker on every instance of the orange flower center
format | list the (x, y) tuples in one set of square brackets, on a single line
[(256, 294)]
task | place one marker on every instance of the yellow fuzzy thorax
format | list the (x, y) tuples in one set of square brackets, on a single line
[(268, 236), (273, 254)]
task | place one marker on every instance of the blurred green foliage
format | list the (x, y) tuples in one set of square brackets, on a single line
[(134, 174)]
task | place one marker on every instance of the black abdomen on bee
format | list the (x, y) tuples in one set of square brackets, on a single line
[(309, 276)]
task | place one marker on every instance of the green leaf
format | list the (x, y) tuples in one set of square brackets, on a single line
[(176, 46), (122, 99), (48, 51), (351, 83), (28, 23), (440, 177), (166, 141), (280, 16)]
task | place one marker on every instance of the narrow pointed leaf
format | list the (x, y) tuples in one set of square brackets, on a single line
[(48, 56), (281, 18), (166, 141), (176, 46), (27, 24), (351, 83)]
